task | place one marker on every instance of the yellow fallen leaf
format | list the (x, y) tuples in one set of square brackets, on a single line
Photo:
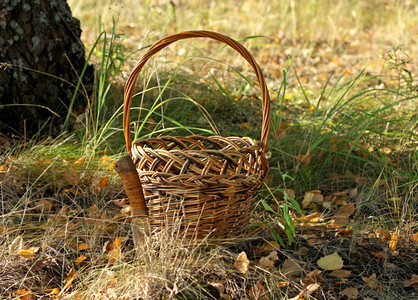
[(242, 263), (394, 241), (69, 279), (350, 293), (107, 161), (117, 242), (24, 294), (288, 96), (414, 237), (331, 262), (29, 252), (114, 255), (281, 284), (54, 292), (83, 247), (79, 162), (314, 217), (80, 259)]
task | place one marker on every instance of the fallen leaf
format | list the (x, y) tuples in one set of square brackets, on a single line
[(29, 252), (288, 96), (270, 246), (44, 205), (311, 288), (242, 263), (413, 282), (117, 242), (314, 217), (54, 292), (414, 237), (339, 220), (381, 254), (372, 281), (290, 193), (259, 291), (382, 234), (83, 247), (314, 276), (312, 197), (268, 261), (342, 194), (344, 232), (93, 211), (292, 267), (24, 294), (304, 159), (219, 286), (350, 293), (16, 245), (69, 279), (340, 273), (347, 209), (80, 259), (114, 255), (281, 284), (71, 177), (394, 241), (79, 162), (107, 161), (331, 262)]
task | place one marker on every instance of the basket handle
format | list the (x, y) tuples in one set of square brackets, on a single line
[(164, 42)]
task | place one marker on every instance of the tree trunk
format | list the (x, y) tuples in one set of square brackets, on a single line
[(41, 59)]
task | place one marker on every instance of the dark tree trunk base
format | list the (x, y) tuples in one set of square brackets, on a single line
[(43, 36)]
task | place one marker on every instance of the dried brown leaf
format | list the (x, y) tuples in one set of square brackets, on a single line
[(340, 273), (312, 197), (268, 261), (346, 210), (304, 159), (413, 282), (372, 281), (292, 267), (350, 293), (259, 291), (242, 263)]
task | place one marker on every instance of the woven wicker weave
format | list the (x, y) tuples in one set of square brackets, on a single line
[(203, 184)]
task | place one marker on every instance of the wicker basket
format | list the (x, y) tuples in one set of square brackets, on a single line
[(205, 185)]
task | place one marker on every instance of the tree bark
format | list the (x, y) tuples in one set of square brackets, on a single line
[(41, 59)]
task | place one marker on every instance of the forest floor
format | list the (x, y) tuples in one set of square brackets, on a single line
[(337, 215)]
